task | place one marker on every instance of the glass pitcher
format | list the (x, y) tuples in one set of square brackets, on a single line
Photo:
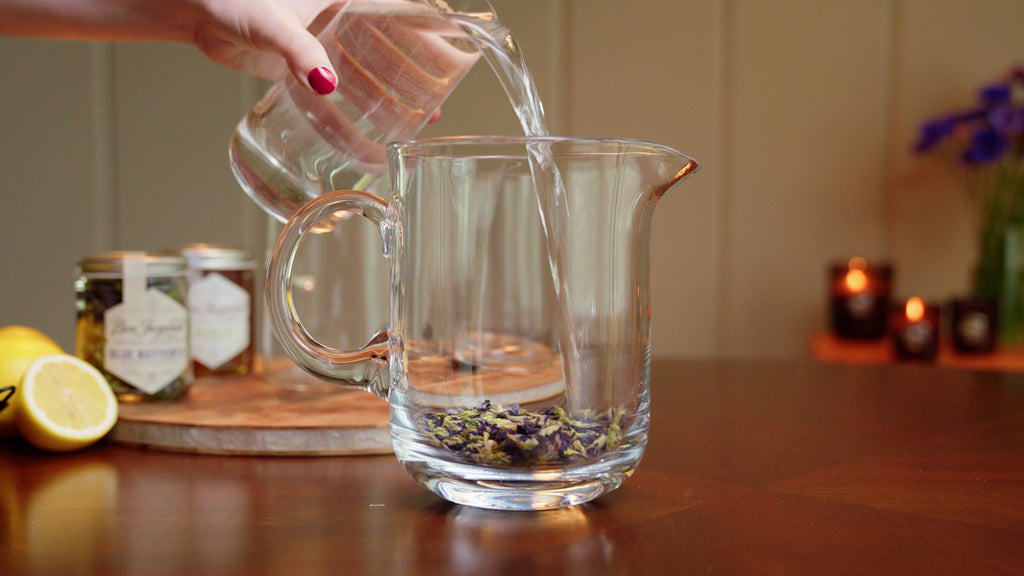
[(515, 380), (396, 62)]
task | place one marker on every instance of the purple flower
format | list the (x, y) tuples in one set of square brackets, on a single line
[(1003, 119), (933, 132), (984, 134), (969, 116), (987, 146), (995, 95)]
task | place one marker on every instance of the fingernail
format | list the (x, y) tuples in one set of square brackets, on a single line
[(322, 80)]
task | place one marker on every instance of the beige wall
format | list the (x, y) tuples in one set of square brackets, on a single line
[(802, 113)]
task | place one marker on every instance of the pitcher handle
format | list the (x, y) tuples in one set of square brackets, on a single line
[(365, 368)]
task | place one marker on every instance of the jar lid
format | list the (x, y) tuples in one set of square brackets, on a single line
[(112, 263), (216, 257)]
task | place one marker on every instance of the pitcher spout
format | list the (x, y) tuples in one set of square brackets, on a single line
[(684, 167)]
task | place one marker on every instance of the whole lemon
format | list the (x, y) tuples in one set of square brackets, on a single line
[(19, 332), (19, 347)]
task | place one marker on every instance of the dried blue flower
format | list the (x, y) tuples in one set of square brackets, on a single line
[(489, 434)]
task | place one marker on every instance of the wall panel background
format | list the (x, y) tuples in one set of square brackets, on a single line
[(802, 114)]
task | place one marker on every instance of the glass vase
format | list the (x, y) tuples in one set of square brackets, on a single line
[(998, 276)]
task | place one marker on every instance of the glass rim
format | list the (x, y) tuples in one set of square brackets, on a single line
[(429, 147)]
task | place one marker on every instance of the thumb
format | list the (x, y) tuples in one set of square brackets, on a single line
[(304, 55), (308, 62)]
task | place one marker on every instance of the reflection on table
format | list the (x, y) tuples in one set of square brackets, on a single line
[(826, 347), (752, 468)]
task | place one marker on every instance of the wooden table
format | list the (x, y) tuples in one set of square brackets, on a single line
[(752, 468)]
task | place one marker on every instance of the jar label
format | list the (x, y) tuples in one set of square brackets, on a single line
[(147, 341), (220, 319)]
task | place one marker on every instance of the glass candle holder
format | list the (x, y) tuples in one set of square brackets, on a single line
[(975, 325), (915, 330), (860, 295)]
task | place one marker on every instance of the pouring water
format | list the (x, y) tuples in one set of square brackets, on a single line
[(481, 414)]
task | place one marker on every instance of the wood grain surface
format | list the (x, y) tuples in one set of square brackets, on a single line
[(307, 417), (250, 415), (752, 468)]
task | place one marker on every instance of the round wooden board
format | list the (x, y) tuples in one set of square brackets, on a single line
[(290, 413), (254, 416)]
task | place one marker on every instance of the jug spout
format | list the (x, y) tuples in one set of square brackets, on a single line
[(669, 167), (689, 166)]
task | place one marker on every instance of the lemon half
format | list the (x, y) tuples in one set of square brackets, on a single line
[(64, 404)]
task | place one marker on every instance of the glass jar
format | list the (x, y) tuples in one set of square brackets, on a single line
[(133, 322), (220, 302)]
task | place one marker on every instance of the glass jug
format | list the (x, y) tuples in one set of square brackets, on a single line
[(396, 62), (515, 381)]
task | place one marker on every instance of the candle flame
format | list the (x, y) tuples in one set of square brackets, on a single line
[(915, 309), (857, 263), (856, 280)]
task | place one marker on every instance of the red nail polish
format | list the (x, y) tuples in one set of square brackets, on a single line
[(322, 80)]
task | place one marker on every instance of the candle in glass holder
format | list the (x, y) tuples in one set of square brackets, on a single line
[(915, 330), (975, 325), (860, 294)]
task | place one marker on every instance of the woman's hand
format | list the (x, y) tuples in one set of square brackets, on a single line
[(264, 37)]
